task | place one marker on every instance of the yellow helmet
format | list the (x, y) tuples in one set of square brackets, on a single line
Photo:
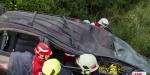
[(51, 67)]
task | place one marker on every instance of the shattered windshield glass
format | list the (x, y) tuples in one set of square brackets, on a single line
[(127, 53)]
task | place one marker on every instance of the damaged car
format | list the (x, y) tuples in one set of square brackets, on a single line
[(20, 31)]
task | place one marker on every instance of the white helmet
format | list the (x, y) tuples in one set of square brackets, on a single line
[(87, 62), (93, 24), (86, 21), (104, 22)]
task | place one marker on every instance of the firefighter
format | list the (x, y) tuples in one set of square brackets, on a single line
[(54, 67), (43, 52), (88, 64), (86, 21), (103, 23)]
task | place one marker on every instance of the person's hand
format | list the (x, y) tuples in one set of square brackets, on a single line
[(3, 68)]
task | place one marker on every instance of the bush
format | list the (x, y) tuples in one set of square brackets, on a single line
[(133, 27)]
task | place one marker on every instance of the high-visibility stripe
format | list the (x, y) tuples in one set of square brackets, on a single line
[(42, 49)]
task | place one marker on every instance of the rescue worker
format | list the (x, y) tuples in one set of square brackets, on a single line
[(43, 52), (54, 67), (86, 21), (103, 22), (88, 64)]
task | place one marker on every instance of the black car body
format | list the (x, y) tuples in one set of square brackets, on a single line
[(22, 30)]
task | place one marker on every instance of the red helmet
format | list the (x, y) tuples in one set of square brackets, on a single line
[(42, 49)]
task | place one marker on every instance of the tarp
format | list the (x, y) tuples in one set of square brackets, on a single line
[(20, 63)]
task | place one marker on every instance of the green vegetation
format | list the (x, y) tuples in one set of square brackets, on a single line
[(129, 19), (133, 27)]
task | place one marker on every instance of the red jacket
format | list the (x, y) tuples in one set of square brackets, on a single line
[(37, 65), (96, 24)]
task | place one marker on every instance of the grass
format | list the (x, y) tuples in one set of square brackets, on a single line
[(134, 27)]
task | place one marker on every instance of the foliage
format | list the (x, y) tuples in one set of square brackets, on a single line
[(7, 4), (133, 27), (83, 9), (128, 18)]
